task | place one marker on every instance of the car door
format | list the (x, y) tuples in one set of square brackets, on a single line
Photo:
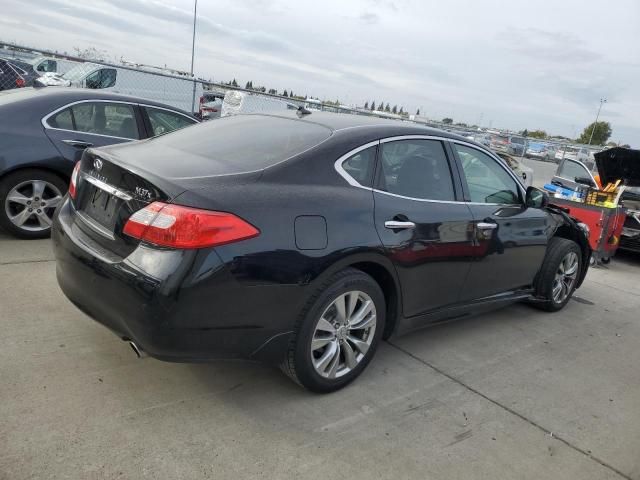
[(78, 126), (568, 171), (514, 237), (161, 120), (423, 225)]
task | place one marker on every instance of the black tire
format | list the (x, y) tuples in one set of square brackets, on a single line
[(12, 180), (557, 251), (298, 361)]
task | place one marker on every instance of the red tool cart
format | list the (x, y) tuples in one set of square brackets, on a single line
[(599, 208)]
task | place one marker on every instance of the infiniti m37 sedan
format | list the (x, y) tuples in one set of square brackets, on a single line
[(304, 240)]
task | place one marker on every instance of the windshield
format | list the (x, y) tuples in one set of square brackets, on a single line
[(79, 72)]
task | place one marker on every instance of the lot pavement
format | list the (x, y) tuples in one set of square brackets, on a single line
[(513, 394)]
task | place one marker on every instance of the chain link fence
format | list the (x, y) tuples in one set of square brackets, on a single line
[(22, 66)]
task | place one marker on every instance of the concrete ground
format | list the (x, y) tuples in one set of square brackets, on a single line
[(513, 394)]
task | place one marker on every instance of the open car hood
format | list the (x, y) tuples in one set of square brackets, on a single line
[(619, 164)]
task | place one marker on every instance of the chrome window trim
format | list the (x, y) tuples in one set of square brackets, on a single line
[(351, 181), (343, 173), (44, 119), (116, 192)]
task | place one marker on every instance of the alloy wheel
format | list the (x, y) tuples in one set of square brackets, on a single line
[(343, 334), (30, 205), (565, 277)]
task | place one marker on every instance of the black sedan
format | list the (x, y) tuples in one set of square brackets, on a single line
[(16, 74), (43, 133), (304, 240)]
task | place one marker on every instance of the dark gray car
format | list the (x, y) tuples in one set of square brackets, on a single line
[(43, 133)]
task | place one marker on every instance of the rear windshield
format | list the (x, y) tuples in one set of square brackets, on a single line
[(245, 143), (517, 140)]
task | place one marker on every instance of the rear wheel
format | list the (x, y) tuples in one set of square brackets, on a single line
[(338, 332), (28, 199), (559, 274)]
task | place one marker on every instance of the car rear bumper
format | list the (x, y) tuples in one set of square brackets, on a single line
[(175, 305)]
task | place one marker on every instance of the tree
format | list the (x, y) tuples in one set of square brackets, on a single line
[(373, 106), (248, 85), (394, 109), (401, 112), (387, 108), (537, 134), (234, 83), (273, 91), (524, 133), (285, 94), (381, 107), (366, 105), (601, 133), (418, 112), (447, 121)]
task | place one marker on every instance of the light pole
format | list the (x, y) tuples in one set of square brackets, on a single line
[(602, 100), (193, 50)]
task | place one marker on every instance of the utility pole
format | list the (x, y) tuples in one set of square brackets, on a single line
[(602, 100), (193, 50)]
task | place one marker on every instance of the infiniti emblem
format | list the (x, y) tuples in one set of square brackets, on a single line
[(97, 164)]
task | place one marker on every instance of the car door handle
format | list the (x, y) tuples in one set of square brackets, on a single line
[(487, 226), (78, 143), (396, 225)]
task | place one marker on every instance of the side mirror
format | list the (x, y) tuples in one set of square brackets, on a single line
[(536, 198), (584, 181)]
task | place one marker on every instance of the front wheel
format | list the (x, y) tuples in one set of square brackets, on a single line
[(558, 277), (338, 332)]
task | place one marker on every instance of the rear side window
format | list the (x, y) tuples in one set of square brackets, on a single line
[(417, 169), (100, 118), (246, 143), (62, 120), (164, 121), (360, 166)]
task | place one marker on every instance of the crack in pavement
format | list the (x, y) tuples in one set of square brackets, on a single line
[(512, 412), (18, 262)]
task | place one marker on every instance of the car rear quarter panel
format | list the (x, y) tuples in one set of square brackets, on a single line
[(23, 143)]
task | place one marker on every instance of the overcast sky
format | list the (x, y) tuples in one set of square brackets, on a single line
[(515, 64)]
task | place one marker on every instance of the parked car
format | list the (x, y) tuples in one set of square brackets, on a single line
[(630, 238), (509, 144), (524, 173), (580, 154), (307, 245), (43, 133), (540, 151), (15, 74), (173, 90)]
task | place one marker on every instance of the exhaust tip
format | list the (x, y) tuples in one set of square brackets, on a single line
[(137, 350)]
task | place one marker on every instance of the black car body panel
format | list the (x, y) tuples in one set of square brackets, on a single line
[(242, 300)]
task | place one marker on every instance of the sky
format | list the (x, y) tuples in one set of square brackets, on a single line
[(506, 64)]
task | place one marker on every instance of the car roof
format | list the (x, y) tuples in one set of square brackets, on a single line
[(63, 95), (339, 122)]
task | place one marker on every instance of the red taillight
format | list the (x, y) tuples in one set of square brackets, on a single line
[(19, 82), (185, 227), (74, 181), (201, 100)]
